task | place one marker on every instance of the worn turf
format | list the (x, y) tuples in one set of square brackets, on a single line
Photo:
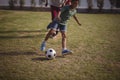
[(96, 47)]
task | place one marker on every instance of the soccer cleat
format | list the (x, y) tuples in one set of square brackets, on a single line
[(66, 52), (43, 46)]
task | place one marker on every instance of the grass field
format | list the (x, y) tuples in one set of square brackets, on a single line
[(96, 46)]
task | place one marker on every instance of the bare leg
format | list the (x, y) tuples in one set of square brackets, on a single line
[(48, 34), (63, 39), (65, 51), (43, 45)]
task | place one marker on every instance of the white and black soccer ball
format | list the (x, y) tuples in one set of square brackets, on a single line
[(50, 53)]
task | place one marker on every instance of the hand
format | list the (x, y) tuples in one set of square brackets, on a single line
[(58, 18), (79, 24), (46, 4)]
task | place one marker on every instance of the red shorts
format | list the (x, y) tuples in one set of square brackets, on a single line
[(54, 11)]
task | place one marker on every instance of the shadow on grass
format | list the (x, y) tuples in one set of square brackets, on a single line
[(15, 53), (43, 58), (26, 36), (22, 34), (24, 31)]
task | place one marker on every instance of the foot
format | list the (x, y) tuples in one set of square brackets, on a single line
[(66, 52), (43, 46)]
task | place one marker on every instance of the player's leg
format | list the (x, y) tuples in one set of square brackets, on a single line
[(55, 33), (57, 10), (53, 15), (51, 32), (63, 34), (64, 46), (43, 45), (54, 11)]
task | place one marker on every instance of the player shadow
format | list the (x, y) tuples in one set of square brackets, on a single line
[(26, 34), (15, 53), (18, 31)]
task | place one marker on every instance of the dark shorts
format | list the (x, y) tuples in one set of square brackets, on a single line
[(56, 26)]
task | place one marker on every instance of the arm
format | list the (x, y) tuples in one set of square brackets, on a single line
[(76, 20), (58, 16), (59, 13), (63, 3), (67, 2), (46, 3)]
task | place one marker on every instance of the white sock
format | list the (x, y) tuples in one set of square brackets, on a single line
[(64, 49)]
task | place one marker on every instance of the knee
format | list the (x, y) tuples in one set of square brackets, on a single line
[(51, 31), (63, 36)]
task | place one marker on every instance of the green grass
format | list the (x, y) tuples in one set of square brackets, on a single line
[(95, 44)]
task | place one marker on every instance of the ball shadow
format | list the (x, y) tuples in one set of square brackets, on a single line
[(43, 58), (39, 59)]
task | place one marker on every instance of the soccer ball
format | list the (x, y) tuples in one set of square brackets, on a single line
[(50, 53)]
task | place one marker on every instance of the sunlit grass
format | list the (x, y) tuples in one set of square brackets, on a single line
[(95, 45)]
